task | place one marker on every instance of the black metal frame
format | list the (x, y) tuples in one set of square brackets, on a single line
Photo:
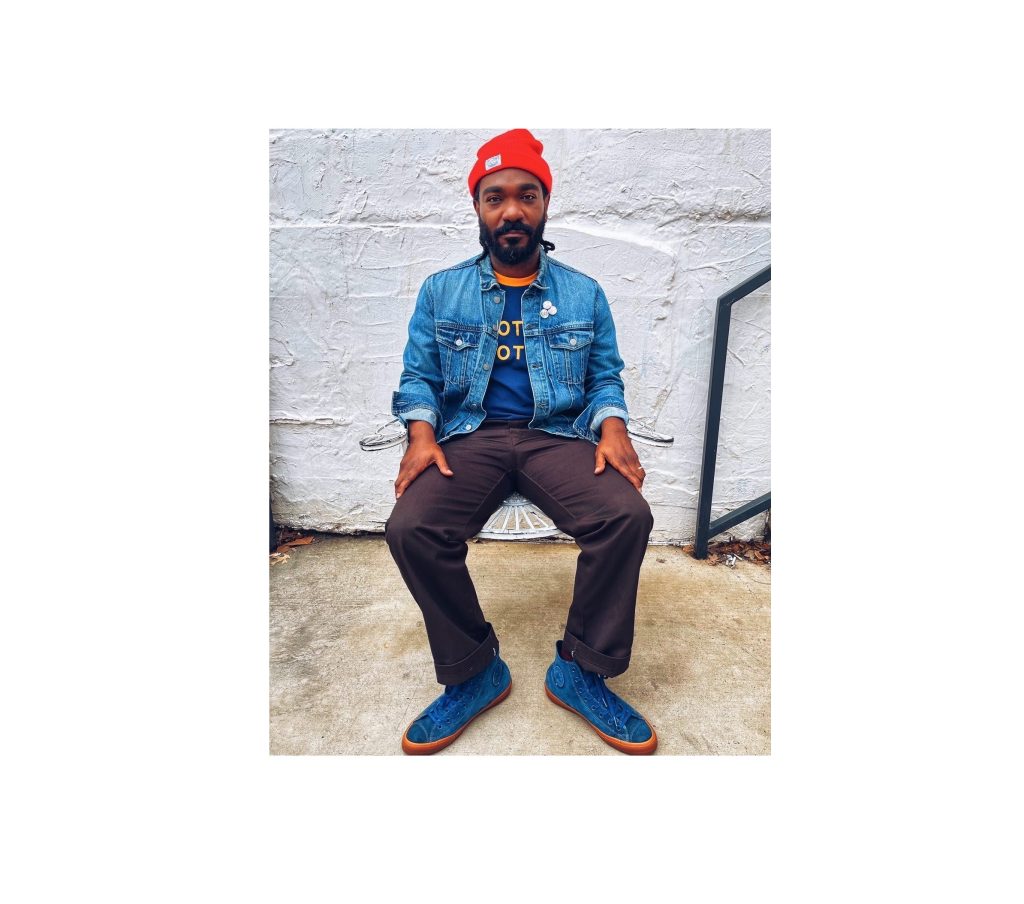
[(706, 528)]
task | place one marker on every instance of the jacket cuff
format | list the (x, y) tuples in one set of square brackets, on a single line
[(409, 407), (608, 411), (417, 414)]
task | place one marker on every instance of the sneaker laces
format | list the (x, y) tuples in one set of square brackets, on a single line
[(614, 704), (449, 702)]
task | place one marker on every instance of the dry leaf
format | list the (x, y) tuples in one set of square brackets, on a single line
[(301, 541), (756, 551)]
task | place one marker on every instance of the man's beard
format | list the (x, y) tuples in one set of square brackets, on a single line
[(511, 254)]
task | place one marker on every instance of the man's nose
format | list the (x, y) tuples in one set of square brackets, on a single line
[(512, 212)]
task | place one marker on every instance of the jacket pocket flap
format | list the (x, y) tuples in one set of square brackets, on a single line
[(457, 338), (570, 339)]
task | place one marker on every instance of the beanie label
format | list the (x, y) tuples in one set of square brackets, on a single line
[(492, 162)]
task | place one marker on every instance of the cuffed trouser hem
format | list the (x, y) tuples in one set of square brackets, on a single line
[(591, 660), (475, 662)]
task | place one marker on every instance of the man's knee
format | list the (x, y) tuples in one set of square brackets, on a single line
[(636, 514), (399, 527), (415, 526)]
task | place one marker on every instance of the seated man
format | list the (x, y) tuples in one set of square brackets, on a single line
[(510, 381)]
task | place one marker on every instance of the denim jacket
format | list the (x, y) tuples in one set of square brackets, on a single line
[(572, 357)]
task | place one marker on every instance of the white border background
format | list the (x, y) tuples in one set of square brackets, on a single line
[(136, 638)]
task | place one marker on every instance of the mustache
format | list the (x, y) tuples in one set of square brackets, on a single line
[(513, 227)]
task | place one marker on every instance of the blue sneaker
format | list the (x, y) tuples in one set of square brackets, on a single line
[(447, 717), (584, 693)]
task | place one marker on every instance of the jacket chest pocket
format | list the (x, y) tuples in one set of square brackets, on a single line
[(569, 351), (458, 346)]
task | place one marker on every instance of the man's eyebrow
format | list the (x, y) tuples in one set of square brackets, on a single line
[(523, 187)]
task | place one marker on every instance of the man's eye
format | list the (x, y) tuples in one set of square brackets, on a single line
[(529, 197)]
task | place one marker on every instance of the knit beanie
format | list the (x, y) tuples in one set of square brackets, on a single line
[(517, 149)]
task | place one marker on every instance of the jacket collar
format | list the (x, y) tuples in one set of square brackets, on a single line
[(489, 281)]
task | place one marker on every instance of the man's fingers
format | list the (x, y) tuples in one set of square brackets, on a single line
[(633, 478), (404, 479), (639, 474), (632, 472), (414, 468), (600, 460)]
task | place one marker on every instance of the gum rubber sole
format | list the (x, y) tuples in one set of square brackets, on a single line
[(644, 748), (414, 749)]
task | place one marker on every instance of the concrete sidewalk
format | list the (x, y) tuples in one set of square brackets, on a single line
[(350, 667)]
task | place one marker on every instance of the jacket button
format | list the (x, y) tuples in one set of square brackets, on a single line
[(468, 427), (487, 367), (458, 342), (572, 341)]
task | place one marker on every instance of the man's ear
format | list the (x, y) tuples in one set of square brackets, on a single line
[(476, 206)]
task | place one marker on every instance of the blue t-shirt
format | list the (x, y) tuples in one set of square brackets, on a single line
[(509, 395)]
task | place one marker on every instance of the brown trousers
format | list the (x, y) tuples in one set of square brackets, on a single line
[(609, 519)]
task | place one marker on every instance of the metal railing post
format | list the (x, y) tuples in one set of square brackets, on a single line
[(716, 387)]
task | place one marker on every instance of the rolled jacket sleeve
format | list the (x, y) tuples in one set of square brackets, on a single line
[(420, 387), (605, 393)]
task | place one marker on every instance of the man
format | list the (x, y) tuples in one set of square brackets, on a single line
[(510, 380)]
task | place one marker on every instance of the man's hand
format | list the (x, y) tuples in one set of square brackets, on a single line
[(616, 449), (423, 452)]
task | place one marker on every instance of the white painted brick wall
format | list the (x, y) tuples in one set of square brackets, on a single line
[(665, 220)]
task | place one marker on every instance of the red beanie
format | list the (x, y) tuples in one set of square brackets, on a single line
[(517, 149)]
